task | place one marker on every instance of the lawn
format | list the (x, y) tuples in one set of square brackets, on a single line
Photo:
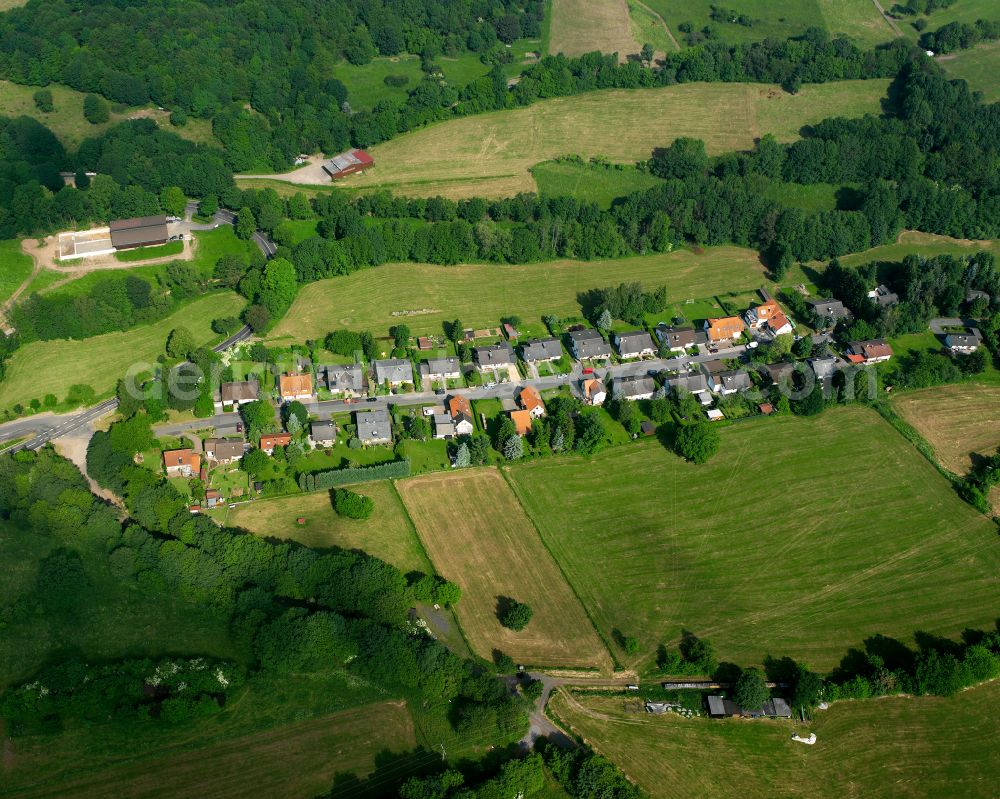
[(67, 122), (15, 267), (157, 251), (366, 84), (588, 182), (896, 748), (477, 535), (426, 295), (491, 154), (388, 534), (811, 197), (800, 537), (582, 26), (44, 367), (977, 66)]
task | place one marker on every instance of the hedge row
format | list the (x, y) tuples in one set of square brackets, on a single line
[(358, 474)]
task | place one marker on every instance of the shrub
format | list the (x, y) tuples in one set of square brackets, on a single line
[(396, 80), (43, 101), (95, 110), (351, 505), (319, 481)]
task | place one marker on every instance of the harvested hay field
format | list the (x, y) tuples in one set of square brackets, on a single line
[(477, 534), (896, 748), (491, 154), (848, 532), (582, 26), (291, 761)]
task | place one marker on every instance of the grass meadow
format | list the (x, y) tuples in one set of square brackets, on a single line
[(581, 26), (388, 534), (589, 182), (491, 154), (425, 295), (51, 367), (15, 267), (801, 537), (977, 67), (477, 535), (893, 748)]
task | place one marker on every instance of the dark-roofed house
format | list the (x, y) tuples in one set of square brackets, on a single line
[(676, 339), (374, 427), (444, 427), (780, 372), (966, 342), (460, 411), (883, 296), (824, 369), (441, 369), (237, 393), (139, 231), (393, 372), (634, 344), (588, 344), (634, 387), (541, 349), (493, 356), (832, 310), (729, 381), (349, 163), (875, 351), (224, 450), (346, 380), (697, 384), (323, 434)]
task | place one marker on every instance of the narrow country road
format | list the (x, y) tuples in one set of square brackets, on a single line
[(891, 22), (663, 23)]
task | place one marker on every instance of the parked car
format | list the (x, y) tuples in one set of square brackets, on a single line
[(588, 371), (713, 350), (239, 427)]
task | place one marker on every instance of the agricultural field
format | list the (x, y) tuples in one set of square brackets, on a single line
[(15, 267), (425, 295), (67, 121), (491, 154), (477, 534), (896, 748), (388, 534), (299, 760), (589, 182), (44, 367), (977, 67), (582, 26), (653, 545)]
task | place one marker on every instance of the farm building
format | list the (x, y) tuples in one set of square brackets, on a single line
[(140, 231), (349, 163)]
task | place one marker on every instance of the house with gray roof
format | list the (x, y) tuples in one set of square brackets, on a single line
[(727, 381), (676, 339), (541, 349), (444, 426), (441, 369), (323, 434), (824, 369), (494, 356), (635, 344), (695, 383), (237, 393), (966, 342), (828, 309), (883, 296), (634, 387), (588, 344), (393, 372), (344, 379), (374, 427), (224, 450)]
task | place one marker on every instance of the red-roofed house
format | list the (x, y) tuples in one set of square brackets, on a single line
[(725, 328), (531, 401), (181, 462), (522, 422), (874, 351), (269, 441)]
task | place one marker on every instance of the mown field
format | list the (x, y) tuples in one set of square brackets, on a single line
[(588, 182), (582, 26), (491, 154), (897, 748), (425, 295), (477, 534), (15, 267), (801, 537), (387, 534), (977, 67), (51, 367), (916, 243)]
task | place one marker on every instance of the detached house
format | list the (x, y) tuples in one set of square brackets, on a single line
[(295, 387), (531, 401), (966, 342), (723, 329), (729, 381), (461, 414), (444, 427), (589, 344), (232, 395), (883, 296), (494, 356), (635, 387), (323, 434), (696, 384), (676, 339), (594, 392), (831, 310), (224, 450), (635, 344), (441, 369), (345, 380), (393, 372), (756, 317), (374, 427), (269, 441), (541, 349), (181, 462), (867, 352)]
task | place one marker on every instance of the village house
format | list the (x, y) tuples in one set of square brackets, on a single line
[(824, 369), (344, 380), (634, 344), (181, 462), (139, 231), (269, 441), (541, 349), (757, 316), (868, 352), (588, 344), (393, 372), (460, 411), (780, 373), (295, 387), (594, 391), (323, 434), (441, 369), (778, 325), (494, 356), (531, 401), (883, 296), (726, 328), (634, 387), (965, 342), (696, 384), (725, 381), (829, 311), (224, 450), (444, 427), (232, 395), (676, 339), (213, 498), (374, 427), (522, 422)]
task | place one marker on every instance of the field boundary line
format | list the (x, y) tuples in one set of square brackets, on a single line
[(663, 22), (616, 665)]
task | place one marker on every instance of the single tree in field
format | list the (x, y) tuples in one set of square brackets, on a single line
[(515, 615), (180, 342), (697, 442), (750, 691), (647, 53)]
